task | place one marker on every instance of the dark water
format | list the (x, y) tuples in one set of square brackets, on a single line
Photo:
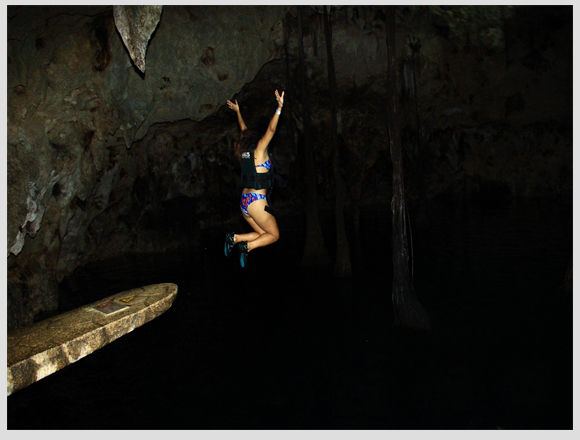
[(295, 348)]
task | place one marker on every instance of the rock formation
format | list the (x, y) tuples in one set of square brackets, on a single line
[(77, 104), (135, 25)]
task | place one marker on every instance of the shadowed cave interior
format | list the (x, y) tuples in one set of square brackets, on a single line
[(119, 178)]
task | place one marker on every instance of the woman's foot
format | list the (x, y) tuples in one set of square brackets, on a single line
[(229, 244), (243, 253)]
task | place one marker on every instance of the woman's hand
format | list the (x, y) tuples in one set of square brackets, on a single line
[(280, 99), (236, 108), (233, 106)]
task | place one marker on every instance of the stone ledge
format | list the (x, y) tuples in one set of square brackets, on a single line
[(39, 350)]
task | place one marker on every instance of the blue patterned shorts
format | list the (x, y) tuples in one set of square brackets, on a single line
[(248, 199)]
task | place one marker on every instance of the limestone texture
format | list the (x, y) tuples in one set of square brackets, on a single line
[(37, 351), (136, 24)]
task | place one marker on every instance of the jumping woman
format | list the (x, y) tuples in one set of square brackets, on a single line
[(257, 178)]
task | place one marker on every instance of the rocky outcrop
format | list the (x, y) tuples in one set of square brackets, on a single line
[(46, 347)]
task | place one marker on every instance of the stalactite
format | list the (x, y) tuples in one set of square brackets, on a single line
[(136, 25)]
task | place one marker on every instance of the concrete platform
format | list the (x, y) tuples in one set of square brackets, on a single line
[(36, 351)]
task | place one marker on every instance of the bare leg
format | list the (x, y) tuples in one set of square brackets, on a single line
[(262, 240), (264, 222), (250, 236)]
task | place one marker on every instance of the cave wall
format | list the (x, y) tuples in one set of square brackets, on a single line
[(104, 161), (499, 116), (76, 103)]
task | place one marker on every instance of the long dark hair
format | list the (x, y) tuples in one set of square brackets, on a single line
[(248, 139)]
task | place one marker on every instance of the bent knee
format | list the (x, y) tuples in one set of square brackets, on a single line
[(273, 233)]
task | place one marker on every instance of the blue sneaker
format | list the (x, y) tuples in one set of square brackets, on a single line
[(243, 254), (229, 244)]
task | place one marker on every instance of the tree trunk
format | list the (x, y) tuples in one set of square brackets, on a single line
[(342, 267), (408, 311), (314, 250)]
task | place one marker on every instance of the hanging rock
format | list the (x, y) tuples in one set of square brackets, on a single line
[(136, 24)]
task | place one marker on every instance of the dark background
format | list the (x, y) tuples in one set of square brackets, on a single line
[(485, 97)]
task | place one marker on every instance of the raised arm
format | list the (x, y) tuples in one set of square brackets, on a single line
[(263, 143), (236, 108)]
